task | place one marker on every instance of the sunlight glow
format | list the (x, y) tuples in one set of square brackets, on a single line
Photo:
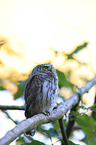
[(40, 25)]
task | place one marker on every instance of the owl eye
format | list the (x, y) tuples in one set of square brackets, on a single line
[(45, 67)]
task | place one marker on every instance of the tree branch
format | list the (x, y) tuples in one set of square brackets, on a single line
[(63, 131), (9, 116), (12, 107), (39, 119), (71, 122)]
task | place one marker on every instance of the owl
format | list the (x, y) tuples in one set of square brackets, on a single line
[(41, 90)]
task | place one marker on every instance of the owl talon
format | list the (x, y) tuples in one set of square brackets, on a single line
[(31, 132), (46, 113)]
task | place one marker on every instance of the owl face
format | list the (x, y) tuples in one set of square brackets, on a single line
[(44, 68)]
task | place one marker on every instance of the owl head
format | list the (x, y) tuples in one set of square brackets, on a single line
[(45, 69)]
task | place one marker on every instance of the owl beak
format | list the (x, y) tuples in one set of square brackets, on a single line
[(52, 70)]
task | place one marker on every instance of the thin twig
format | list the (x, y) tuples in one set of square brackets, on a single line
[(71, 122), (5, 107), (63, 131), (9, 117)]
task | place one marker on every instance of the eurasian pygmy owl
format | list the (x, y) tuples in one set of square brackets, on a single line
[(41, 90)]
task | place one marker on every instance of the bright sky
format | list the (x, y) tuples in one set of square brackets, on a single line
[(37, 25)]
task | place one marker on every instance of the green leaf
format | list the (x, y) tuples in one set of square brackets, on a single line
[(71, 143), (93, 108), (44, 131), (81, 107), (56, 125), (80, 47), (20, 92), (76, 113), (87, 124), (2, 42), (64, 121), (34, 142), (85, 140), (20, 140), (1, 85), (62, 80), (53, 132), (92, 143), (50, 133)]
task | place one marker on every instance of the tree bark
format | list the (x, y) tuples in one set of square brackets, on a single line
[(39, 119)]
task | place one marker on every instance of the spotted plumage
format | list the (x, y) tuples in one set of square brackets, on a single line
[(41, 90)]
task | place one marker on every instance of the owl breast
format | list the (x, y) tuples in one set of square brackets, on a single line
[(49, 94)]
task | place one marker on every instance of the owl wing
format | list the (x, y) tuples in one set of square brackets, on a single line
[(33, 89)]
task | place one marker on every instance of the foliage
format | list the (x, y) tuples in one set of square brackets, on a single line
[(21, 141), (21, 86), (63, 82), (78, 48), (86, 122)]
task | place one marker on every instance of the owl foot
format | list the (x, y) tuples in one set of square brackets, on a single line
[(31, 132), (46, 113)]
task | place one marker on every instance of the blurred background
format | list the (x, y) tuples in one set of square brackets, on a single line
[(32, 32)]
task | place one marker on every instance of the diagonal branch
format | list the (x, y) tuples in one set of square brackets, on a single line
[(39, 119)]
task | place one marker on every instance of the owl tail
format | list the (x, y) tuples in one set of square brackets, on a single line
[(31, 132)]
